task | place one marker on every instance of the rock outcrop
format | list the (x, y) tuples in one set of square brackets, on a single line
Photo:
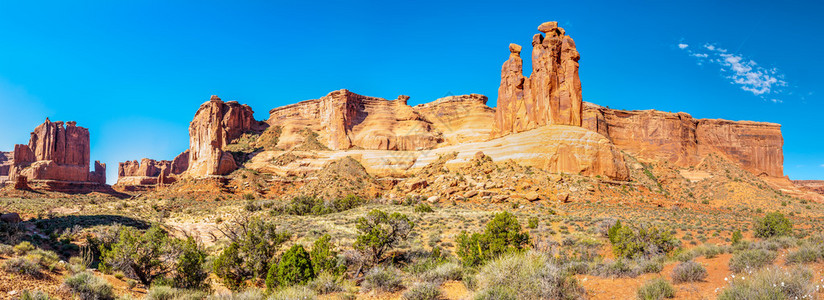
[(683, 140), (459, 119), (214, 126), (56, 153), (552, 93), (5, 166), (815, 186), (343, 120)]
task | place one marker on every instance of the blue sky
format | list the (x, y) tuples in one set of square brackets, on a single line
[(134, 72)]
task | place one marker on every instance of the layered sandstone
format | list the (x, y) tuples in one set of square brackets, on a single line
[(344, 120), (215, 125), (5, 165), (56, 153), (815, 186), (683, 140), (459, 119), (552, 93)]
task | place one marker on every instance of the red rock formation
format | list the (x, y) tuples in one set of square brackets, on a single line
[(56, 153), (552, 93), (344, 120), (180, 163), (146, 167), (214, 126), (683, 140), (460, 119), (6, 160), (815, 186)]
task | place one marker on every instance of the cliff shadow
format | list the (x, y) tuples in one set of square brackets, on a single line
[(61, 223)]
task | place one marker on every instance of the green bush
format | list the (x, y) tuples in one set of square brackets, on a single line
[(324, 257), (46, 259), (189, 272), (423, 208), (386, 279), (162, 292), (773, 224), (84, 285), (22, 266), (142, 256), (736, 237), (525, 275), (629, 242), (532, 223), (423, 291), (295, 267), (502, 235), (23, 248), (309, 205), (252, 251), (656, 289), (327, 283), (771, 283), (806, 254), (379, 232), (751, 260), (689, 271)]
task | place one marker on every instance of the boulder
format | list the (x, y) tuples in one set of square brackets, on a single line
[(433, 199), (11, 218)]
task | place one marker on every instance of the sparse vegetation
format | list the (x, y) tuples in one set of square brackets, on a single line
[(773, 224), (502, 235), (656, 289)]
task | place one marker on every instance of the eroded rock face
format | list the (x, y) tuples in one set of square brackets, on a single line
[(683, 140), (5, 164), (56, 153), (344, 120), (552, 93), (146, 167), (815, 186), (215, 125), (460, 119)]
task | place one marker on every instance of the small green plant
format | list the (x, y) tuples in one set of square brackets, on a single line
[(295, 267), (34, 295), (423, 291), (656, 289), (84, 285), (773, 224), (324, 257), (22, 266), (752, 259), (502, 235), (23, 248), (386, 279), (771, 283), (379, 232), (532, 223), (189, 271), (736, 237), (423, 208), (689, 271), (630, 242)]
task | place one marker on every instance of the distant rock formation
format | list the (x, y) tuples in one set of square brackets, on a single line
[(5, 165), (683, 140), (58, 156), (214, 126), (552, 93), (815, 186)]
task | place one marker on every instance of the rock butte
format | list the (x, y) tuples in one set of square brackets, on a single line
[(56, 158), (540, 121)]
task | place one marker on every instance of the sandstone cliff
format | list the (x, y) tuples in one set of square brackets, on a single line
[(552, 93), (459, 119), (214, 126), (683, 140), (56, 153), (344, 120), (815, 186), (5, 166)]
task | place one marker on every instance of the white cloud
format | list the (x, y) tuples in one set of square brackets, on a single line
[(743, 72), (683, 46), (822, 165)]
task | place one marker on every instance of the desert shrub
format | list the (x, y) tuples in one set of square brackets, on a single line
[(163, 292), (386, 279), (34, 295), (22, 266), (250, 294), (617, 268), (773, 224), (751, 259), (250, 254), (346, 203), (689, 271), (23, 247), (771, 283), (326, 283), (295, 267), (324, 257), (532, 223), (85, 286), (306, 205), (46, 259), (145, 256), (525, 275), (379, 232), (292, 293), (805, 254), (651, 265), (629, 242), (423, 291), (656, 289), (502, 235), (423, 208), (444, 271), (189, 271), (736, 237), (6, 250)]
